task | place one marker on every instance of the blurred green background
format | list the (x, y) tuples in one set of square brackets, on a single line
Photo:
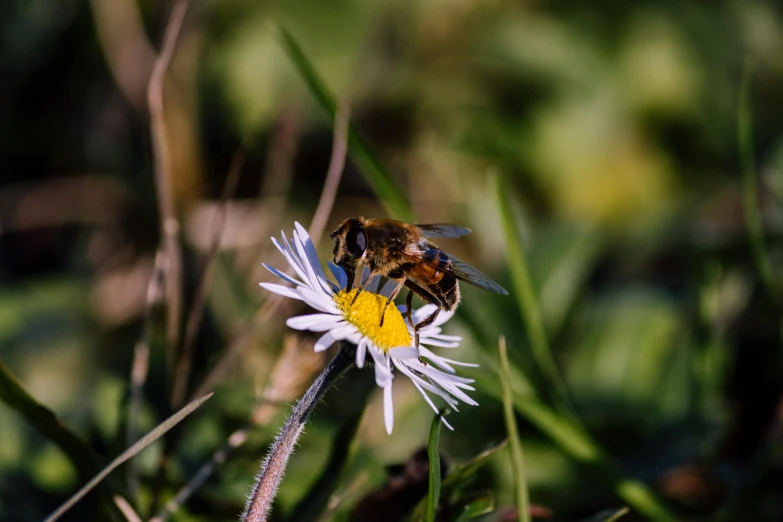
[(609, 129)]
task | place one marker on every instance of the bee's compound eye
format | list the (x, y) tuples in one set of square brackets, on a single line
[(356, 242)]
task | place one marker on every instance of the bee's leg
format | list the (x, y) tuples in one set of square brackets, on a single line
[(350, 272), (360, 288), (426, 322), (391, 298), (409, 304)]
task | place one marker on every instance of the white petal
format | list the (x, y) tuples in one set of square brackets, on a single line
[(443, 316), (339, 275), (317, 300), (438, 361), (424, 394), (439, 383), (282, 275), (443, 362), (388, 408), (445, 337), (336, 334), (355, 336), (361, 353), (310, 251), (315, 322), (430, 331), (459, 394), (423, 312), (438, 375), (432, 404), (425, 383), (404, 352), (307, 254), (383, 375), (446, 423), (293, 262), (456, 363), (435, 342), (282, 290)]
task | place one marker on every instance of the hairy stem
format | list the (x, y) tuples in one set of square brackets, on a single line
[(273, 466)]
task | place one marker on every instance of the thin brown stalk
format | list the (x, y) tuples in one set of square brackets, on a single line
[(127, 509), (334, 174), (163, 174), (282, 150), (185, 360), (140, 365), (170, 227)]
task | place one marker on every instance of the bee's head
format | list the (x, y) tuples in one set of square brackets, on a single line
[(350, 242)]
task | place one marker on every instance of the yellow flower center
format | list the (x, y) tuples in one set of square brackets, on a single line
[(365, 314)]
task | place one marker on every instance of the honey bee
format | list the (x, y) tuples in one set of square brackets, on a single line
[(403, 252)]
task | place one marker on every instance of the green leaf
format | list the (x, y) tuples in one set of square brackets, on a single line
[(476, 506), (145, 441), (359, 150), (45, 421), (515, 445), (433, 494)]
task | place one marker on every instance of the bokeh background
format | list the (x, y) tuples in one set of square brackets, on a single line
[(609, 129)]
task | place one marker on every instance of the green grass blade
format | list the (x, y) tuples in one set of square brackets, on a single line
[(463, 472), (526, 299), (750, 198), (515, 445), (458, 476), (359, 150), (433, 494), (47, 423), (145, 441)]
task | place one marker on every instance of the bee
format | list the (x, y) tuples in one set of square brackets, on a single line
[(404, 253)]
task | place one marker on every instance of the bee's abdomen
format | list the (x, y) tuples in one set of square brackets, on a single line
[(435, 272), (448, 291)]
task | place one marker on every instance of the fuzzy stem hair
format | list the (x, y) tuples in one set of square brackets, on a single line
[(273, 467)]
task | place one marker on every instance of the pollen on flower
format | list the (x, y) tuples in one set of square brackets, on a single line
[(365, 314)]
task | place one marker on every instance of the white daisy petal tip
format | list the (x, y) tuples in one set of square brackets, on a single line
[(302, 230), (388, 409), (404, 352)]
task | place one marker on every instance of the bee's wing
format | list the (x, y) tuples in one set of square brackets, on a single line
[(443, 230), (463, 271)]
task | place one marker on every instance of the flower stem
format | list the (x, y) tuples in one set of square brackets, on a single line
[(273, 466)]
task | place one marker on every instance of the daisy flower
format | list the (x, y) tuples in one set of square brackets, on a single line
[(390, 346)]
